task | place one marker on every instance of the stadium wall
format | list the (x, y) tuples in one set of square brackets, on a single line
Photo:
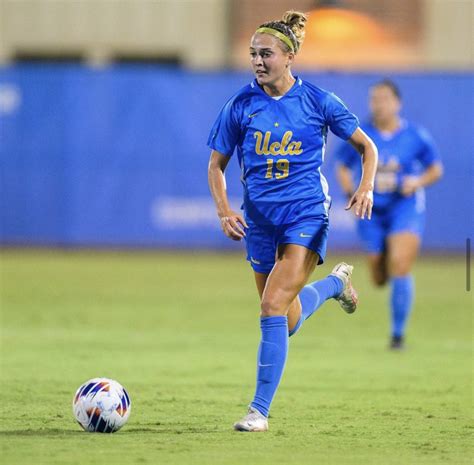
[(118, 157)]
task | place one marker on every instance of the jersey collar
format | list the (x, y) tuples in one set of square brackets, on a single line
[(294, 88)]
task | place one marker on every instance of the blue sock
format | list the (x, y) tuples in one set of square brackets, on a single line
[(314, 295), (271, 360), (401, 300)]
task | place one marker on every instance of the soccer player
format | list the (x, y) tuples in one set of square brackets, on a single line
[(408, 162), (278, 125)]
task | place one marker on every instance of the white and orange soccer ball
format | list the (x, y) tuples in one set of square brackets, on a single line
[(101, 405)]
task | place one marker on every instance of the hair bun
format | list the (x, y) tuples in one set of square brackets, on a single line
[(296, 20)]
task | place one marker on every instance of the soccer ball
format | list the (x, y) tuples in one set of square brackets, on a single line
[(101, 405)]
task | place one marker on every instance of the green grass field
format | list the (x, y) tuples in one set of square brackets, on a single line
[(180, 331)]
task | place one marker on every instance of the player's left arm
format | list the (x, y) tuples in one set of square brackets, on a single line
[(363, 198)]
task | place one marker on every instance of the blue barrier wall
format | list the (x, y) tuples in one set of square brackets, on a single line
[(118, 157)]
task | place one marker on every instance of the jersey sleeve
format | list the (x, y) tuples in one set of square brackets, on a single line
[(225, 133), (428, 153), (339, 119), (347, 155)]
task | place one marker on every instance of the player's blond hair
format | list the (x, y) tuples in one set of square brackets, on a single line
[(292, 26), (296, 21)]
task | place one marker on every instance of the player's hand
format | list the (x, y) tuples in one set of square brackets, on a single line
[(410, 184), (362, 201), (233, 226)]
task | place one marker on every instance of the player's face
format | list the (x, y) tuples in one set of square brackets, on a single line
[(269, 61), (384, 104)]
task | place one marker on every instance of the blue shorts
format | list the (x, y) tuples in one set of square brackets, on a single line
[(401, 216), (263, 241)]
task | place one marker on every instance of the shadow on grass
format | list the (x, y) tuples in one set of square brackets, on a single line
[(56, 432), (40, 432)]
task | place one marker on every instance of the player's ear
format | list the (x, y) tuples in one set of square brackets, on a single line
[(290, 58)]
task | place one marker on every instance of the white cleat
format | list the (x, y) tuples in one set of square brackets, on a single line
[(348, 297), (253, 422)]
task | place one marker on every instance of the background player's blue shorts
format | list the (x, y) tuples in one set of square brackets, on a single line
[(400, 216), (263, 241)]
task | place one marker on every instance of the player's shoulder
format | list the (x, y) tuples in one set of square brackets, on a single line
[(417, 131), (243, 94), (241, 99), (316, 92), (323, 98)]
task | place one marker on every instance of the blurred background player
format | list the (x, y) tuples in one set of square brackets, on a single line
[(408, 161), (279, 126)]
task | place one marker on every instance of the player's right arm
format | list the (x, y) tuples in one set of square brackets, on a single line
[(232, 223)]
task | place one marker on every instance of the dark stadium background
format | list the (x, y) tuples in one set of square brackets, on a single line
[(103, 131), (112, 262)]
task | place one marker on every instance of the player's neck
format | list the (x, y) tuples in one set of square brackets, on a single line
[(280, 87), (388, 125)]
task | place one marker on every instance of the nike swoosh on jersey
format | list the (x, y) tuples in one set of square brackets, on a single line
[(254, 261), (254, 114), (305, 235)]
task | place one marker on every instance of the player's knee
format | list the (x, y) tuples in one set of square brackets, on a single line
[(271, 306), (400, 268)]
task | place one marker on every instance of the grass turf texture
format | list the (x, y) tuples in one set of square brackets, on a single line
[(180, 332)]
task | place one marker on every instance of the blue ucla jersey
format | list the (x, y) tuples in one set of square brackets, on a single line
[(406, 152), (280, 147)]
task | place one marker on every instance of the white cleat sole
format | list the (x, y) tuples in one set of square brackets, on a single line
[(348, 298)]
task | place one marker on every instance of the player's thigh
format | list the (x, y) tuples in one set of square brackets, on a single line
[(403, 248), (291, 271)]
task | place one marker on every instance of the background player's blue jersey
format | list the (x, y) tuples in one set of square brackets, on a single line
[(280, 146), (407, 152)]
